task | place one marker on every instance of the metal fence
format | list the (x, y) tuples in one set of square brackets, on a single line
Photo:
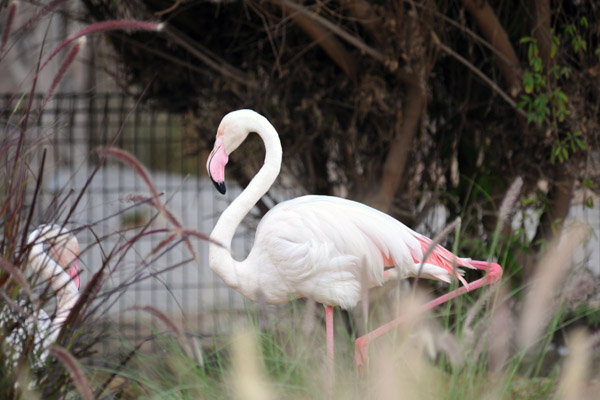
[(71, 127)]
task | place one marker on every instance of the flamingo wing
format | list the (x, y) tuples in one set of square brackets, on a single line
[(325, 248)]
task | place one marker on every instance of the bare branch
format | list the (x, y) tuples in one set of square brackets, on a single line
[(496, 34), (353, 40), (480, 74), (205, 55), (330, 45)]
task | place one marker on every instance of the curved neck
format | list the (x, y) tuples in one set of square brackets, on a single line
[(66, 291), (220, 259)]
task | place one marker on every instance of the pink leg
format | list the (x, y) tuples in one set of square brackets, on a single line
[(329, 327), (494, 271)]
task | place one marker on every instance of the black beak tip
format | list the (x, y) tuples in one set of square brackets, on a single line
[(220, 186)]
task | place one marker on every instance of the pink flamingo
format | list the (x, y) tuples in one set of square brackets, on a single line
[(319, 247), (58, 266)]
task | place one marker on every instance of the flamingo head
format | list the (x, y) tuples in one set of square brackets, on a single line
[(232, 131), (64, 249)]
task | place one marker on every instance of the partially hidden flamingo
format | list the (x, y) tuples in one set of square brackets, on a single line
[(53, 258), (319, 247)]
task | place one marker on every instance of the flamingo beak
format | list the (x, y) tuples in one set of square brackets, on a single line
[(74, 272), (215, 165)]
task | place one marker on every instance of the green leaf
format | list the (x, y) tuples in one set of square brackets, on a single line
[(528, 82), (537, 64), (587, 183), (524, 101), (583, 22), (555, 44), (553, 49), (570, 29), (579, 44), (589, 202)]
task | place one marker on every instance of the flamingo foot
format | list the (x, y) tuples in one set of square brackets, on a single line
[(361, 358)]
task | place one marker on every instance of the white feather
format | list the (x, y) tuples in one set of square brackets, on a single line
[(318, 246)]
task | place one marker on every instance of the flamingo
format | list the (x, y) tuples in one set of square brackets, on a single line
[(319, 247), (58, 266)]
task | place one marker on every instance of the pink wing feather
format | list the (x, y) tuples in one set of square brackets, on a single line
[(442, 258)]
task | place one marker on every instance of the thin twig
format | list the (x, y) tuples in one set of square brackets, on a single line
[(478, 72), (200, 52), (353, 40)]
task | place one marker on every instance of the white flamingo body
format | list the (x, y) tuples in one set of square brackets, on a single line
[(64, 279), (325, 248), (62, 275), (320, 247)]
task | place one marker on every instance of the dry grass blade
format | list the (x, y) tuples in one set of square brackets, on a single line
[(364, 291), (436, 241), (550, 272), (138, 168), (500, 331), (447, 344), (574, 377), (248, 376), (8, 25), (508, 204), (75, 371), (63, 69), (105, 26), (36, 191), (104, 388), (190, 232), (82, 308), (16, 274), (400, 364), (162, 244), (165, 320), (43, 12), (470, 324), (309, 318)]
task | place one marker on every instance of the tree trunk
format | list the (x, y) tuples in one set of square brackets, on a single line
[(493, 31), (325, 39), (541, 29), (406, 129)]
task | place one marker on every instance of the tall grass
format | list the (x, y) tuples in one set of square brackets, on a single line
[(485, 346), (30, 367)]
